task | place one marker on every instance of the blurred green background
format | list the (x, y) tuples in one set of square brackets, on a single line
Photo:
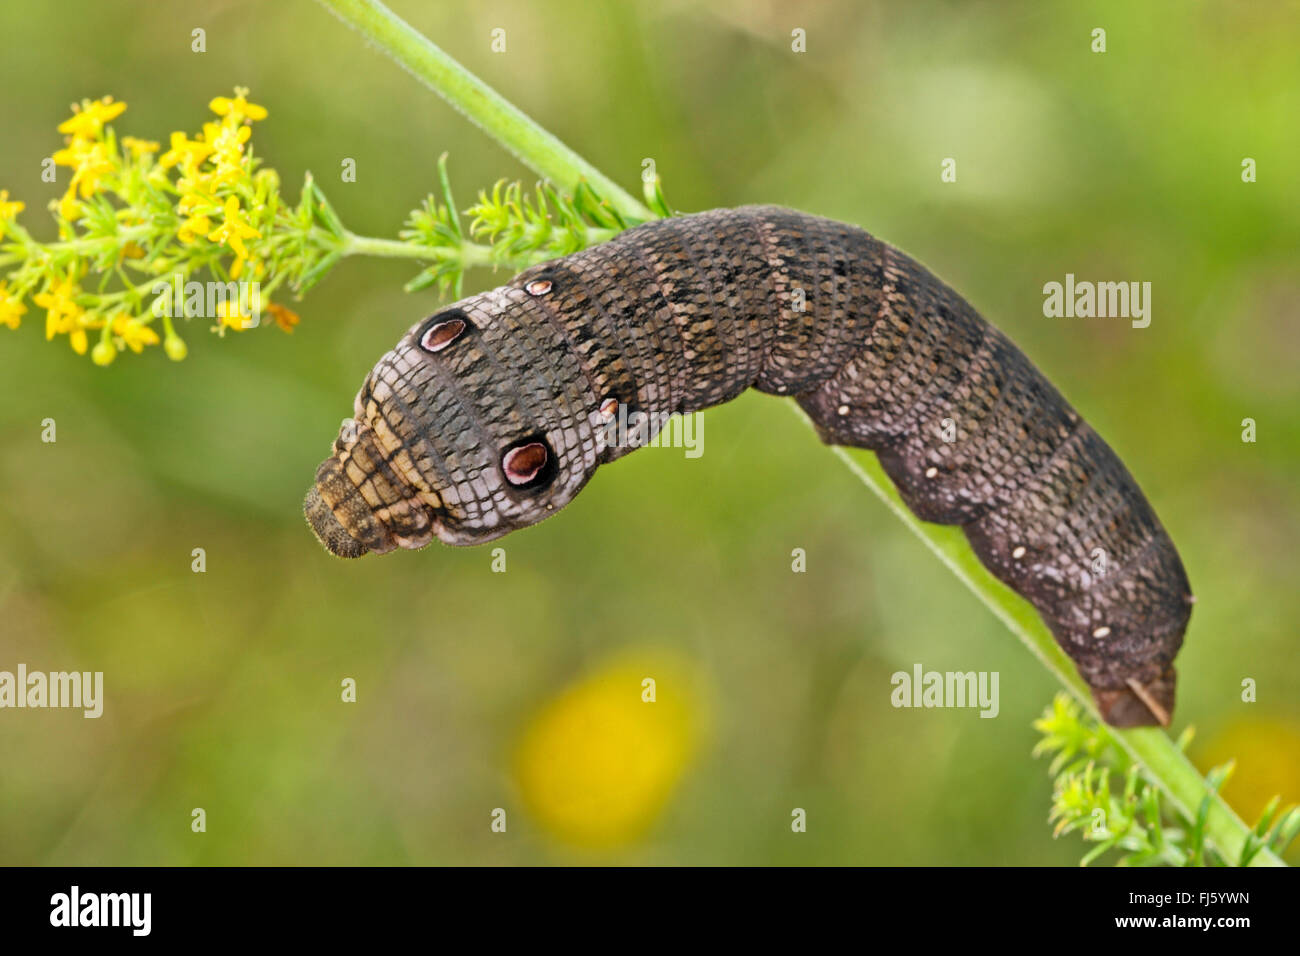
[(223, 687)]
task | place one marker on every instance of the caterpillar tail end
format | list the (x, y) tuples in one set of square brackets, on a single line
[(1138, 704), (328, 529)]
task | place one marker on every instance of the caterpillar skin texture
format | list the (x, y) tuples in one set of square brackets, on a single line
[(491, 415)]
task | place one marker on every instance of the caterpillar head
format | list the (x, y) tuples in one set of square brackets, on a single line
[(479, 422)]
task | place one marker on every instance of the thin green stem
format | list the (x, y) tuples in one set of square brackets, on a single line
[(468, 253), (482, 105), (53, 249)]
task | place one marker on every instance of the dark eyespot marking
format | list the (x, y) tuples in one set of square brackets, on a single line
[(442, 330), (529, 464), (609, 408), (539, 287)]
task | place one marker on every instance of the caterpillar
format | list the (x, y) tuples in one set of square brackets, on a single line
[(492, 414)]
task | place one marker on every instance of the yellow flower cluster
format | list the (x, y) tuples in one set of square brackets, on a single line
[(62, 314), (215, 159), (165, 214), (12, 309), (86, 152)]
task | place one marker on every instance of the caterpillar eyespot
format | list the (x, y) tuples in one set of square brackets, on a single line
[(685, 313), (441, 334), (525, 464)]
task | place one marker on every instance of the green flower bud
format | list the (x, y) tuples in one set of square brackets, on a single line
[(103, 353)]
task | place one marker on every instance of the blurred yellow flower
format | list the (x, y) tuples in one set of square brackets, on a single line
[(234, 229), (1267, 751), (88, 119), (139, 147), (61, 309), (185, 151), (69, 208), (195, 195), (227, 141), (133, 332), (231, 316), (9, 209), (193, 229), (237, 108), (92, 165), (12, 309), (598, 764)]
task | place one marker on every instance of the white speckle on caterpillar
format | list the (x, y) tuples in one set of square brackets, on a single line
[(931, 472), (1101, 632), (1018, 553)]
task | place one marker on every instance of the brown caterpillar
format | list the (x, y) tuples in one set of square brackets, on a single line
[(491, 415)]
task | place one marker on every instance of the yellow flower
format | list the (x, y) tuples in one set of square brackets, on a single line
[(598, 764), (238, 108), (225, 174), (73, 154), (69, 208), (230, 316), (61, 309), (228, 147), (195, 197), (90, 160), (78, 340), (223, 136), (1267, 750), (234, 230), (286, 319), (95, 164), (193, 229), (139, 147), (189, 152), (88, 119), (11, 307), (63, 316), (8, 209), (134, 332), (240, 266)]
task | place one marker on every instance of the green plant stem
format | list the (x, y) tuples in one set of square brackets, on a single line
[(1164, 763), (482, 105), (469, 253)]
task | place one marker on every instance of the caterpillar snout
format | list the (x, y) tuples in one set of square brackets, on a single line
[(361, 503)]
